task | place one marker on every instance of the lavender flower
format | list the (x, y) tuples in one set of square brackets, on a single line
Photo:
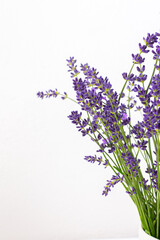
[(131, 192), (143, 48), (151, 39), (132, 163), (137, 59), (111, 183), (108, 119), (93, 159), (154, 177), (156, 52), (48, 94), (72, 67)]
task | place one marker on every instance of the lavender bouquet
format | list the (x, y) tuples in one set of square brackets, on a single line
[(131, 149)]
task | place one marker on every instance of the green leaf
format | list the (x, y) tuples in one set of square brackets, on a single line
[(118, 170)]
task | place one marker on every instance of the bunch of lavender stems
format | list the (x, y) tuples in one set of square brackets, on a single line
[(107, 118)]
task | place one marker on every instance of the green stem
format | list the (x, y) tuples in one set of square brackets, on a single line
[(152, 75), (158, 191), (125, 82)]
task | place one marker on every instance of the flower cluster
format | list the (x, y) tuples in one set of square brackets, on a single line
[(106, 117)]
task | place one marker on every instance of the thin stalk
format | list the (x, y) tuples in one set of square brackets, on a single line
[(126, 82), (158, 192), (152, 75), (150, 151), (128, 76)]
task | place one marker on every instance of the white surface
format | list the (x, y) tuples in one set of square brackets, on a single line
[(114, 239), (47, 191)]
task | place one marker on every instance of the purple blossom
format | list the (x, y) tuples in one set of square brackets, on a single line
[(131, 77), (143, 48), (81, 124), (151, 39), (131, 162), (156, 52), (111, 183), (138, 108), (107, 143), (126, 121), (141, 70), (64, 96), (72, 67), (141, 144), (93, 159), (142, 78), (144, 184), (90, 73), (158, 67), (75, 117), (40, 94), (155, 86), (154, 177), (137, 59), (124, 117), (131, 192), (48, 94), (142, 95), (108, 140)]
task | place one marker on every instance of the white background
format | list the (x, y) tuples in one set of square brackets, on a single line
[(47, 190)]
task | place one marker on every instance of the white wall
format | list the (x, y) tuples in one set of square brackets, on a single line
[(47, 190)]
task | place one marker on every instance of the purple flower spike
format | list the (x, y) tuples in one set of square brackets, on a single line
[(156, 52), (137, 59), (40, 94), (93, 159), (48, 94), (72, 67), (154, 177), (143, 48), (151, 39), (111, 183)]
